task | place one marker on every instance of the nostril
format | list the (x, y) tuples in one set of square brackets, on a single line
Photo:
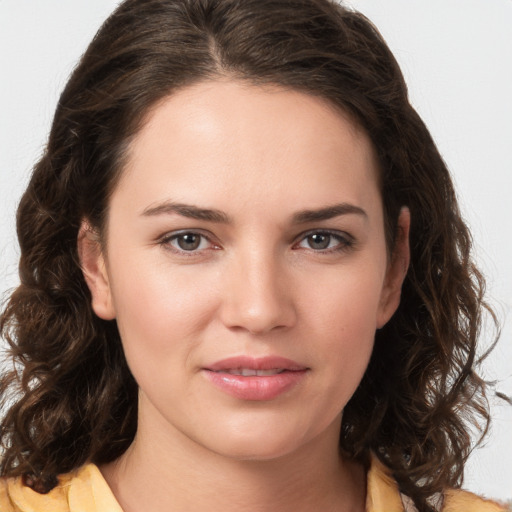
[(268, 315)]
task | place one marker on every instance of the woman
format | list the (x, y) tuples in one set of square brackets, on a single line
[(245, 282)]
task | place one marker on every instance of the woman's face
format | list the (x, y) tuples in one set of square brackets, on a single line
[(246, 267)]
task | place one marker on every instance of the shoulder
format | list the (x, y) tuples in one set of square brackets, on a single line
[(383, 495), (83, 490), (17, 497), (457, 500)]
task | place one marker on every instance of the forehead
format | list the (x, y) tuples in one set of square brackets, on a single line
[(219, 138)]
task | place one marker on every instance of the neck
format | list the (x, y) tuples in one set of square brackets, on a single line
[(170, 472)]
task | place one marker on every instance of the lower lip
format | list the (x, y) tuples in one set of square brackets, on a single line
[(255, 387)]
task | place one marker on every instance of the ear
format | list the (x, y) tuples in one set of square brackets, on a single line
[(94, 269), (396, 271)]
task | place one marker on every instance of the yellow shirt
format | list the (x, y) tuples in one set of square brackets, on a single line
[(85, 490)]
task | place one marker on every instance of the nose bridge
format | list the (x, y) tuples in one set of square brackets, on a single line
[(257, 296)]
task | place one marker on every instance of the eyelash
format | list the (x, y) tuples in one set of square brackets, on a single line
[(166, 241), (345, 242)]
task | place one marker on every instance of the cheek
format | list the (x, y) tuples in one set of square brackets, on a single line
[(343, 320), (346, 302), (159, 309)]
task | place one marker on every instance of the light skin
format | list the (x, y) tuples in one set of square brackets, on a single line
[(248, 221)]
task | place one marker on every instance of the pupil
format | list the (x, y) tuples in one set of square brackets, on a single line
[(319, 241), (189, 242)]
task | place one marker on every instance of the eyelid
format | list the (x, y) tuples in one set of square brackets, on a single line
[(165, 240), (346, 240)]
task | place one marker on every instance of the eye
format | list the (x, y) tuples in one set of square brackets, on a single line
[(325, 241), (187, 241)]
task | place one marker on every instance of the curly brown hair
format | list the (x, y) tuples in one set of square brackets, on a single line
[(70, 397)]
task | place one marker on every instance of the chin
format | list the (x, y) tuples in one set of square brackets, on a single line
[(262, 453), (253, 446)]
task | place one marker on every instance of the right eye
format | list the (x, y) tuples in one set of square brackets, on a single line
[(187, 242)]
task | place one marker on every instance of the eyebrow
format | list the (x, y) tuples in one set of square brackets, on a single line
[(327, 213), (218, 216), (187, 210)]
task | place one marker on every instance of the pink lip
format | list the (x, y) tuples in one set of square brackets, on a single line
[(266, 387)]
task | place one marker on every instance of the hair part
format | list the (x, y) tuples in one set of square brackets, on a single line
[(70, 397)]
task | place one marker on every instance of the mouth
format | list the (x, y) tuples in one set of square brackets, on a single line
[(249, 372), (255, 379), (251, 366)]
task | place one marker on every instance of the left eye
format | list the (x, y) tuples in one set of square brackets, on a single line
[(188, 242), (322, 241)]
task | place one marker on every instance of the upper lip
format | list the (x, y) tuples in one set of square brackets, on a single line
[(255, 363)]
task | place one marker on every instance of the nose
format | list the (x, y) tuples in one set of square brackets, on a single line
[(257, 295)]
